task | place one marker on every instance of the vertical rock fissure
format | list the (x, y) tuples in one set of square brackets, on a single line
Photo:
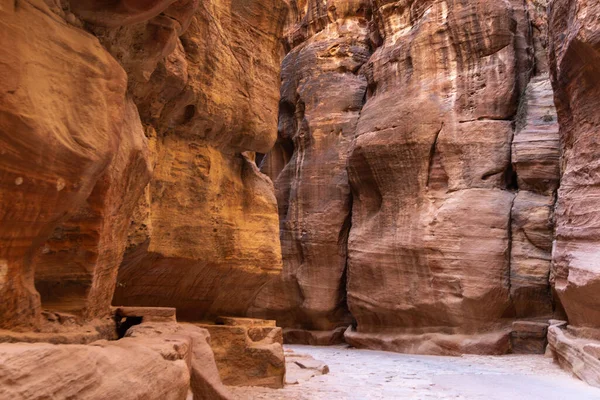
[(343, 249), (432, 154), (509, 251)]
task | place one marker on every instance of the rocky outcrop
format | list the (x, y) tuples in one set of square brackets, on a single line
[(449, 139), (301, 367), (205, 382), (576, 350), (38, 371), (248, 352), (575, 69), (70, 141), (156, 360), (207, 226), (321, 97)]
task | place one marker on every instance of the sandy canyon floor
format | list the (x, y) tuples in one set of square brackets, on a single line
[(365, 374)]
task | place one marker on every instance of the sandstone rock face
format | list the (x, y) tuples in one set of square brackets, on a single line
[(67, 134), (575, 66), (447, 137), (193, 98), (248, 352), (39, 371), (205, 382), (574, 59), (535, 157), (431, 218), (154, 361), (576, 350), (76, 269), (207, 226), (321, 97)]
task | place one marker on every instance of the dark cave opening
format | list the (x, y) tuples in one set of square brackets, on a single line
[(124, 323)]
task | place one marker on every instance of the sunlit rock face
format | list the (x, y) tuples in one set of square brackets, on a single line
[(422, 198), (575, 66), (205, 235), (187, 89), (71, 140)]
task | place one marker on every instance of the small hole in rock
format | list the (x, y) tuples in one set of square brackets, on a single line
[(124, 323), (190, 112)]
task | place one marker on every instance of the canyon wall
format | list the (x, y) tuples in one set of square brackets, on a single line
[(72, 147), (321, 97), (422, 199), (127, 175), (434, 168), (574, 57), (177, 94), (207, 227), (575, 63)]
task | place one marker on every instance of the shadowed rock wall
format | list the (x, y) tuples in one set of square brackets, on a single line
[(422, 198), (321, 97), (574, 58)]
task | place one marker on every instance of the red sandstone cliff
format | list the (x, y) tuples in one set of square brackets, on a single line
[(434, 168), (415, 169)]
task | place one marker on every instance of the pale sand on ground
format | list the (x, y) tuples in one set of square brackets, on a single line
[(365, 374)]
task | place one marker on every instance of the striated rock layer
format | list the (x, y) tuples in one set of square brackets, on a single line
[(321, 97), (155, 360), (72, 146), (574, 43), (575, 63), (431, 180), (430, 244), (248, 352), (185, 91), (204, 237)]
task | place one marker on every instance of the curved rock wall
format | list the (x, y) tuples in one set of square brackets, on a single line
[(207, 227), (97, 96), (575, 66), (447, 140), (321, 97), (67, 135), (574, 58)]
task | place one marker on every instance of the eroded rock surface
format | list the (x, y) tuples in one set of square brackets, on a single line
[(68, 134), (441, 218), (95, 96), (430, 170), (321, 97), (207, 226), (194, 97), (156, 360), (248, 352), (575, 63), (575, 69)]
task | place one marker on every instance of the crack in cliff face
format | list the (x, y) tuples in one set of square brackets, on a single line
[(343, 238), (509, 250), (432, 154)]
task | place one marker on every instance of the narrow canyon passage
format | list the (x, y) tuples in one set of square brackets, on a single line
[(189, 186), (367, 374)]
